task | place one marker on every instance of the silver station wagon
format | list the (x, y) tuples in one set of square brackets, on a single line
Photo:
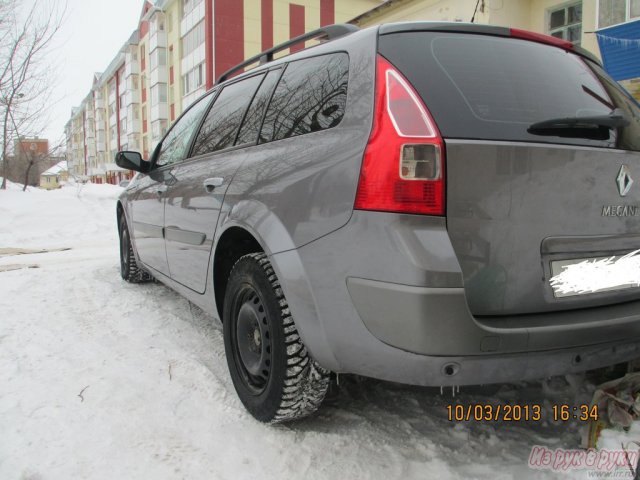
[(399, 202)]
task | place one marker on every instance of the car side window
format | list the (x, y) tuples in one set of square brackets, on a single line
[(253, 119), (311, 96), (221, 125), (175, 145)]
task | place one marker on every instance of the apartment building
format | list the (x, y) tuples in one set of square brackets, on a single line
[(181, 46), (178, 50)]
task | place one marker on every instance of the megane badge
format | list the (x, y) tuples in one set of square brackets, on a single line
[(624, 180)]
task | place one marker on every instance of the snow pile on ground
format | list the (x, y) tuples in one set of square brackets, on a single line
[(15, 186), (105, 380)]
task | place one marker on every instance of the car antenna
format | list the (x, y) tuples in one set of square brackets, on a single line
[(475, 10)]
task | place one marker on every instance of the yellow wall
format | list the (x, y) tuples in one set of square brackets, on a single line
[(538, 22), (49, 182), (431, 10)]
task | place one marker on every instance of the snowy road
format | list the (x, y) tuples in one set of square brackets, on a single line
[(101, 379)]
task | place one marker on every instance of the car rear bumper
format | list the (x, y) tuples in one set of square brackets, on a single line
[(453, 347), (383, 297), (486, 369)]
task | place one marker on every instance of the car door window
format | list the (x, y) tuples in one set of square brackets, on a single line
[(175, 145), (311, 96), (253, 119), (221, 125)]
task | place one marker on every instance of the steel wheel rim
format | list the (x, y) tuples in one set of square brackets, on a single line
[(251, 340), (124, 249)]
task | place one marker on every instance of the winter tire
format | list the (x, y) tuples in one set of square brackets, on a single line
[(273, 374), (129, 269)]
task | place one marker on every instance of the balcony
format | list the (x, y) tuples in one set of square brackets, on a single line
[(158, 40), (159, 111), (158, 75), (192, 18), (131, 97), (133, 139), (134, 127), (131, 68)]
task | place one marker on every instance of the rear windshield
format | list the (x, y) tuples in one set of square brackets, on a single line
[(494, 88)]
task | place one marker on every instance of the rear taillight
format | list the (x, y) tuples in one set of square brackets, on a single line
[(403, 166)]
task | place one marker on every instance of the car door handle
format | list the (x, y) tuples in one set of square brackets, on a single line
[(210, 184)]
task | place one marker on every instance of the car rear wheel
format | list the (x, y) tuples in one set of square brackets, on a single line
[(272, 372), (129, 269)]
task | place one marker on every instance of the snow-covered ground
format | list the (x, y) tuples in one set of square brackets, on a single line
[(100, 379)]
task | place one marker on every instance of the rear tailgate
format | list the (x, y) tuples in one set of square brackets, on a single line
[(522, 207)]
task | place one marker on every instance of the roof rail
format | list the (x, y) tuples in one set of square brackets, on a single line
[(330, 32)]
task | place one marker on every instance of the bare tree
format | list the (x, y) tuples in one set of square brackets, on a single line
[(25, 77)]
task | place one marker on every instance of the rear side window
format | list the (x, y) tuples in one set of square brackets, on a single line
[(495, 88), (253, 119), (311, 96), (221, 124)]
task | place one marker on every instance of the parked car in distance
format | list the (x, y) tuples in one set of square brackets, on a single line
[(393, 202)]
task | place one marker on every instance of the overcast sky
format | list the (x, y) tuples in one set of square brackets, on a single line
[(92, 33)]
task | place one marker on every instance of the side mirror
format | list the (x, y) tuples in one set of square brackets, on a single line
[(132, 161)]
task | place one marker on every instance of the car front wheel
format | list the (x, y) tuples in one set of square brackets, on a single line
[(272, 372), (129, 269)]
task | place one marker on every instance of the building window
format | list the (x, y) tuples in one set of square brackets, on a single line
[(189, 5), (613, 12), (193, 39), (193, 79), (158, 58), (566, 23), (158, 94)]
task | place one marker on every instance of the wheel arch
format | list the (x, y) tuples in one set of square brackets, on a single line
[(289, 268), (234, 243), (119, 211)]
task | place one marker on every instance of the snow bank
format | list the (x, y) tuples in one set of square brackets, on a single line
[(15, 186), (64, 217)]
